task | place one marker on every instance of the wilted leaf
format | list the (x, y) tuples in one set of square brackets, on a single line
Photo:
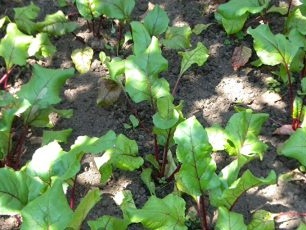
[(109, 92), (284, 130), (241, 56), (82, 59)]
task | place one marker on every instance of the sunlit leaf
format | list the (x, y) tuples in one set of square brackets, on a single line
[(41, 46), (90, 9), (156, 21), (82, 59), (141, 37), (228, 220), (119, 9), (262, 220), (297, 20)]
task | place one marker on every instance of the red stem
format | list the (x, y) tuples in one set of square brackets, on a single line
[(171, 177), (4, 78), (156, 149), (72, 196), (165, 152), (290, 214), (202, 213)]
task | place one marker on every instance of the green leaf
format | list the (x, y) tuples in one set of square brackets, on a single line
[(59, 136), (141, 37), (43, 89), (177, 37), (243, 129), (156, 21), (167, 116), (161, 214), (14, 46), (302, 226), (116, 68), (17, 189), (82, 59), (199, 28), (197, 173), (134, 121), (119, 9), (217, 137), (90, 9), (24, 17), (3, 21), (234, 13), (229, 220), (57, 24), (282, 10), (303, 85), (198, 56), (296, 20), (273, 49), (48, 211), (109, 223), (237, 188), (87, 203), (141, 71), (147, 180), (41, 46), (262, 220), (295, 146)]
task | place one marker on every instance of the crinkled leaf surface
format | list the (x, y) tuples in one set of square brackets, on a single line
[(141, 37), (57, 24), (162, 214), (273, 49), (237, 188), (295, 146), (87, 203), (156, 21), (24, 17), (197, 173), (243, 129), (141, 71), (109, 223), (90, 9), (14, 46), (198, 56), (82, 59), (119, 9), (262, 220), (229, 220), (48, 211), (177, 37), (43, 89), (17, 189)]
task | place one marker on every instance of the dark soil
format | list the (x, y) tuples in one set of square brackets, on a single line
[(210, 93)]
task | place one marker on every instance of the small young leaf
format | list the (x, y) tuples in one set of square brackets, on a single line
[(90, 9), (228, 220), (59, 136), (262, 220), (134, 121), (199, 28), (177, 37), (169, 213), (147, 180), (48, 211), (82, 59), (273, 49), (87, 203), (14, 46), (24, 17), (156, 21), (17, 190), (119, 9), (197, 56), (295, 146)]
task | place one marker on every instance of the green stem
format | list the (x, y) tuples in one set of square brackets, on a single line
[(176, 84)]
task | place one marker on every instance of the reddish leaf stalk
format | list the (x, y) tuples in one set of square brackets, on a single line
[(156, 149), (5, 77), (202, 212), (165, 152), (72, 196), (171, 177), (290, 215)]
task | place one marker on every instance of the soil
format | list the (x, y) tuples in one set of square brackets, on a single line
[(209, 92)]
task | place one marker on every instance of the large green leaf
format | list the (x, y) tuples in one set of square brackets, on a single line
[(156, 21), (229, 220), (273, 49), (295, 146), (43, 89), (141, 71), (234, 13), (197, 56), (90, 9), (119, 9), (197, 173), (177, 37), (237, 188), (57, 24), (87, 203), (24, 17), (243, 129), (161, 214), (14, 46), (48, 211), (17, 189), (141, 37)]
